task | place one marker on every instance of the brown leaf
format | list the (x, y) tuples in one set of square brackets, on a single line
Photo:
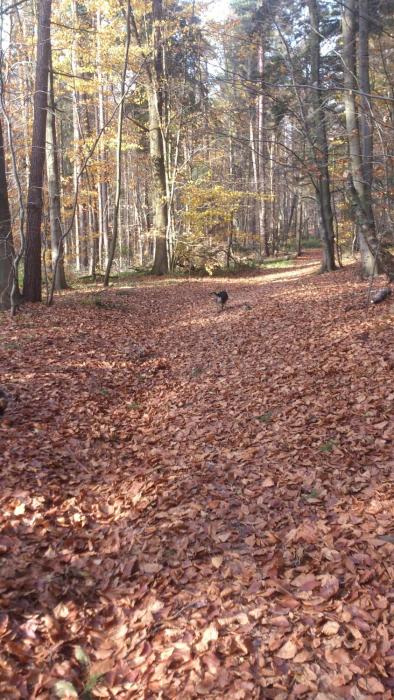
[(288, 650), (150, 567), (217, 561), (337, 656), (210, 634), (330, 628), (372, 685)]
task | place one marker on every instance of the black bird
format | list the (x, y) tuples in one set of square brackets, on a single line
[(221, 298), (381, 295)]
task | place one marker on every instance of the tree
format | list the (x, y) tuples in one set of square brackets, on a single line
[(6, 247), (320, 144), (53, 176), (374, 257), (32, 278), (156, 88), (115, 227)]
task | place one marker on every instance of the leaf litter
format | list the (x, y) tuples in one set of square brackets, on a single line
[(167, 532)]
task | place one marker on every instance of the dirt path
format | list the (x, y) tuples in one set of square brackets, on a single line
[(191, 500)]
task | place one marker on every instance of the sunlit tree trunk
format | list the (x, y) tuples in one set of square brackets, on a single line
[(32, 278), (261, 152), (102, 185), (116, 212), (157, 155), (53, 177)]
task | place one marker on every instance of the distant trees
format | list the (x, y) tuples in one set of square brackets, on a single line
[(201, 144)]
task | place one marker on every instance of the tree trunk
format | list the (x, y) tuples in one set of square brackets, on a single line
[(261, 152), (374, 258), (32, 279), (76, 140), (116, 214), (365, 116), (53, 177), (320, 143), (102, 185), (6, 246), (157, 155)]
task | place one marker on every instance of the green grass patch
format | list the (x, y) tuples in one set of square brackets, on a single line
[(327, 446)]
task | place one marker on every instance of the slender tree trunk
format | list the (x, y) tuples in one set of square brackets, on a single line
[(365, 116), (102, 155), (6, 246), (32, 279), (116, 214), (76, 140), (261, 151), (320, 143), (53, 177), (157, 154)]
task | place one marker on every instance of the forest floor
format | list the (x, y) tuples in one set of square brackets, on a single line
[(192, 502)]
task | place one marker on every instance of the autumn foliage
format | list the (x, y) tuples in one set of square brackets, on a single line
[(199, 504)]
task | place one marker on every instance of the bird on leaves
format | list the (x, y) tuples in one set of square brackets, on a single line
[(221, 298), (381, 295)]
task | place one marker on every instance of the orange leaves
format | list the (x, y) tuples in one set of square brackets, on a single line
[(155, 533)]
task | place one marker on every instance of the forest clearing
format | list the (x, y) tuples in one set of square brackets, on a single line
[(211, 517)]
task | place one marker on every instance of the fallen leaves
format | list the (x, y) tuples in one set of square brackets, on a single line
[(288, 650), (221, 532)]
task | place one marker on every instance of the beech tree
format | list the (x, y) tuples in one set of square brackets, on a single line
[(250, 108), (6, 247), (54, 194), (374, 256), (32, 277)]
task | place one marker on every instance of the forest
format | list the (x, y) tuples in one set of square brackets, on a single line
[(196, 349)]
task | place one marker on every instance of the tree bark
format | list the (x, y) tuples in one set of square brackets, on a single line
[(32, 278), (374, 258), (6, 246), (116, 214), (261, 152), (156, 145), (53, 177), (320, 143), (102, 184)]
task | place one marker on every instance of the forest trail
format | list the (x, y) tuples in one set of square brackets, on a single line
[(192, 501)]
